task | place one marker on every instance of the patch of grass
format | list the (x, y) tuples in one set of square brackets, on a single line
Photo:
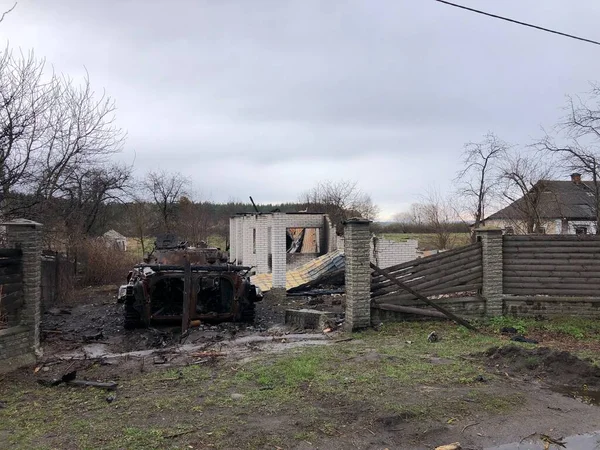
[(578, 328), (317, 389), (521, 325)]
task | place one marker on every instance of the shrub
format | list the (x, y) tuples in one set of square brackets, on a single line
[(102, 264)]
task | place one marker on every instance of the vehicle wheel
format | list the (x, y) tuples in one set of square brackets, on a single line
[(132, 317), (248, 312)]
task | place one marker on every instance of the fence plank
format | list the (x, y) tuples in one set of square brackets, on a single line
[(524, 278), (10, 262), (558, 249), (411, 310), (554, 258), (551, 237), (552, 268), (449, 280), (561, 292), (424, 299), (10, 252), (390, 298), (456, 270), (9, 279)]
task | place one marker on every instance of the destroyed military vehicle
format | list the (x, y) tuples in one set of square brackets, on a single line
[(180, 283)]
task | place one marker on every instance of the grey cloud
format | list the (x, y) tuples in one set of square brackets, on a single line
[(284, 93)]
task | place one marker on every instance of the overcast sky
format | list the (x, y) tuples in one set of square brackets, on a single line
[(265, 98)]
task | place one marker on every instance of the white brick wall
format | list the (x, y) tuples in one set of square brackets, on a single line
[(386, 253), (271, 239)]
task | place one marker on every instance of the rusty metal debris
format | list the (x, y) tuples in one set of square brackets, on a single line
[(187, 284)]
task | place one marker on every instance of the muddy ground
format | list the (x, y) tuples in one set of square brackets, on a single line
[(268, 386), (96, 317)]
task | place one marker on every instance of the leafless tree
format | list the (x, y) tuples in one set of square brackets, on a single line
[(25, 101), (478, 179), (578, 148), (81, 135), (139, 214), (524, 183), (438, 215), (341, 200), (8, 11), (166, 189), (194, 220)]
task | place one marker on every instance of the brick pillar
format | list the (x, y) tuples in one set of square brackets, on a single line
[(278, 250), (232, 238), (27, 235), (239, 239), (357, 239), (491, 240), (262, 244)]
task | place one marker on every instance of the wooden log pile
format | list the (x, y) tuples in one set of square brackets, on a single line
[(551, 265)]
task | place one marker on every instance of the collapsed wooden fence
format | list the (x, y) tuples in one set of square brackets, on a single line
[(451, 272), (561, 265)]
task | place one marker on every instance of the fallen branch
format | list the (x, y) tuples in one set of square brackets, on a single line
[(207, 354), (110, 386), (469, 425)]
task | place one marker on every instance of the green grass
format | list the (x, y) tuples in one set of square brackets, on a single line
[(317, 389), (427, 241), (578, 328)]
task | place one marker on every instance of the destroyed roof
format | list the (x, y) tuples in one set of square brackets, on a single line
[(312, 270), (559, 199), (112, 234)]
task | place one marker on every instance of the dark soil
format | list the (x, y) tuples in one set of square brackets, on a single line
[(554, 367), (95, 317)]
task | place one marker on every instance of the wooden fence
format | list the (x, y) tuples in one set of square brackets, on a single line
[(454, 271), (562, 265), (11, 286)]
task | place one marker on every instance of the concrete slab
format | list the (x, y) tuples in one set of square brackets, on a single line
[(308, 318)]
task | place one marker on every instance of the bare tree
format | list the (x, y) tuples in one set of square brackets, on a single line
[(438, 215), (81, 135), (479, 177), (341, 200), (579, 149), (139, 213), (525, 183), (25, 102), (166, 189), (8, 11)]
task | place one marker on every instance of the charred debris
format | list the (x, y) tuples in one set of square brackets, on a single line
[(187, 284)]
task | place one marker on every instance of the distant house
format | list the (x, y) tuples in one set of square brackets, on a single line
[(116, 240), (560, 207)]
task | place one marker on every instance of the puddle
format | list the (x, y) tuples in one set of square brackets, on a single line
[(589, 396), (589, 441)]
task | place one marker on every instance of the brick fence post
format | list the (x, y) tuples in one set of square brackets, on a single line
[(491, 240), (357, 240), (27, 235)]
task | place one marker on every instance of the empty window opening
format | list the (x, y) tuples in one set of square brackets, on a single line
[(303, 240), (581, 230), (254, 240)]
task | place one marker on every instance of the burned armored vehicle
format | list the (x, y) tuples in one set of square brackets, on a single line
[(179, 283)]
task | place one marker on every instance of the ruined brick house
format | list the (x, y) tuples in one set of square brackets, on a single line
[(563, 206), (279, 242)]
